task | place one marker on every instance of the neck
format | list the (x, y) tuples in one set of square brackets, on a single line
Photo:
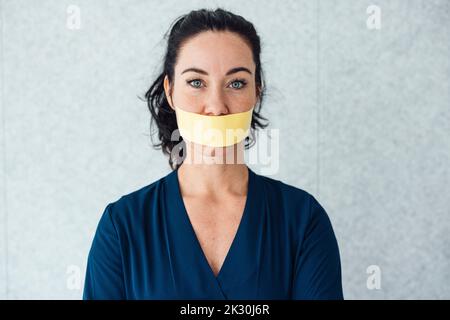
[(212, 178)]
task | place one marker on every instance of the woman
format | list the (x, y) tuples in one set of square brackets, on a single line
[(212, 228)]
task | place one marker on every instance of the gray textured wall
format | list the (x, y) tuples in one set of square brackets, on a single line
[(363, 114)]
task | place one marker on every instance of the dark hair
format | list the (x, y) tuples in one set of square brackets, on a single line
[(184, 28)]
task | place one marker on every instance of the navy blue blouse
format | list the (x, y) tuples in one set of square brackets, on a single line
[(145, 248)]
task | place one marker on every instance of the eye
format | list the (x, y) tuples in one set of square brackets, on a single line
[(195, 83), (238, 84)]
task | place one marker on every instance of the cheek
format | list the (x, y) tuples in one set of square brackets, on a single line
[(242, 100), (186, 98)]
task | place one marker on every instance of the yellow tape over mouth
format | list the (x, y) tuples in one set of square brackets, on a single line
[(214, 131)]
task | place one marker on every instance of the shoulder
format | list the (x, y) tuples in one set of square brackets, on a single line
[(283, 193), (297, 206), (131, 207)]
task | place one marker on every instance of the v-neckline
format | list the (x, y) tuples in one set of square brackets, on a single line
[(234, 242)]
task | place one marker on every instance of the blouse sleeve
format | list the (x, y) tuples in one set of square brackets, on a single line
[(317, 274), (104, 274)]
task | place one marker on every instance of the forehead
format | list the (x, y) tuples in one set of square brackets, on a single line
[(215, 51)]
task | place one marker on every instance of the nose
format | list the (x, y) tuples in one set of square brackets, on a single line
[(215, 103)]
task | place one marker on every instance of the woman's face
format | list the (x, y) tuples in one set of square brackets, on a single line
[(214, 75)]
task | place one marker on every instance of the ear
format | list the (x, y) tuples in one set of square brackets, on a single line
[(258, 93), (167, 91)]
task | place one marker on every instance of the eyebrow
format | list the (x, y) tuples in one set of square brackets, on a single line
[(231, 71)]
